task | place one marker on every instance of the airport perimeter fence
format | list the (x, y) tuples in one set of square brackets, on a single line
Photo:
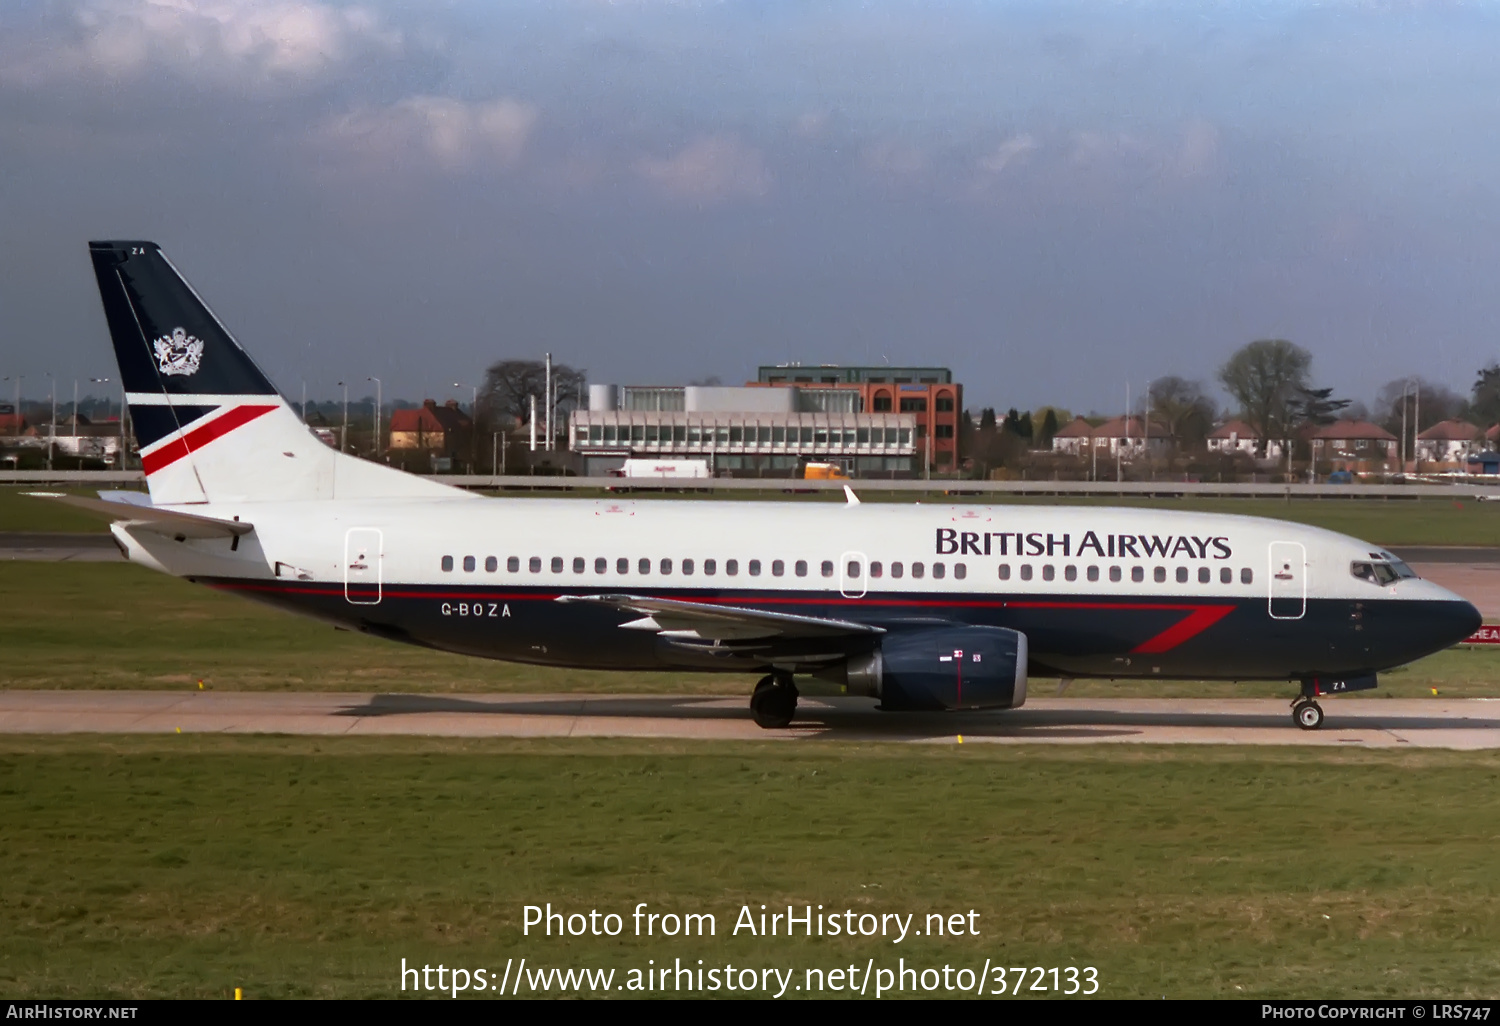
[(913, 488)]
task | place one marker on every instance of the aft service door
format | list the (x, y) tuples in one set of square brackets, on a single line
[(362, 559), (853, 574), (1288, 573)]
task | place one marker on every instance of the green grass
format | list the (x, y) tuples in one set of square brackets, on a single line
[(1394, 522), (110, 626), (187, 866)]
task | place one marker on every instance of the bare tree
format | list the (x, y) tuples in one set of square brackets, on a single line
[(1433, 402), (1182, 407), (1261, 377), (509, 385)]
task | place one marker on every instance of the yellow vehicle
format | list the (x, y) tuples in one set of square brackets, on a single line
[(824, 472)]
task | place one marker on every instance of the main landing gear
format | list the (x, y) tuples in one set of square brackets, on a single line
[(775, 701)]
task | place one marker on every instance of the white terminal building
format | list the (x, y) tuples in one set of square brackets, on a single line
[(749, 431)]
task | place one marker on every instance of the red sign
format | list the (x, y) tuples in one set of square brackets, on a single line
[(1489, 634)]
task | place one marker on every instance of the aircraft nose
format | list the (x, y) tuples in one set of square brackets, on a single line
[(1466, 617)]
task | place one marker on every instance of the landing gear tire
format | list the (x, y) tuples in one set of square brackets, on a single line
[(1307, 715), (774, 702)]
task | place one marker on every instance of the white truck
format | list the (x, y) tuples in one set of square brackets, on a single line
[(663, 469)]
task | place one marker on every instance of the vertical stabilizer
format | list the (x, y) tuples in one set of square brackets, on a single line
[(211, 426)]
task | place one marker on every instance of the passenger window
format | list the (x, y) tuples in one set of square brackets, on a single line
[(1114, 574), (1205, 575), (852, 569), (1137, 574), (897, 569), (447, 564), (938, 570), (643, 566), (1070, 572), (1049, 572), (1093, 573), (876, 569), (666, 567), (917, 569), (1160, 575), (1247, 576), (960, 571), (491, 564), (687, 567), (755, 568), (1025, 571), (513, 564), (827, 568), (778, 568), (579, 564), (535, 565), (731, 567), (801, 568), (601, 565), (1005, 571), (469, 564), (622, 565), (710, 567), (557, 564), (1182, 575), (1226, 575)]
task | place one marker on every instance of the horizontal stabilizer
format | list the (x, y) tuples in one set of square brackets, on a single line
[(726, 623), (153, 518)]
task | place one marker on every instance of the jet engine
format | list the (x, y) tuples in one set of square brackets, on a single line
[(936, 668)]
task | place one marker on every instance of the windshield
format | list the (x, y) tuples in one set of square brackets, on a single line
[(1381, 573)]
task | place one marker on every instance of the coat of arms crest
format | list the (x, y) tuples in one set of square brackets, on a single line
[(178, 353)]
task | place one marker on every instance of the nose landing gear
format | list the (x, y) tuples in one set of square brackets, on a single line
[(774, 702), (1307, 714)]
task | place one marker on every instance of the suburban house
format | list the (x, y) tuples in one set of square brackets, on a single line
[(442, 430), (1073, 437), (1451, 441), (1236, 436), (1357, 440), (1126, 436)]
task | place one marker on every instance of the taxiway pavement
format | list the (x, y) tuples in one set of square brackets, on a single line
[(1351, 722)]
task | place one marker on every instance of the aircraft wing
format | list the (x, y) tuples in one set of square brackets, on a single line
[(712, 622), (152, 518)]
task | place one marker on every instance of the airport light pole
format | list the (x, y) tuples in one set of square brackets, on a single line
[(473, 421), (344, 431), (378, 404)]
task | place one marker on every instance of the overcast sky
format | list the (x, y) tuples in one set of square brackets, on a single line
[(1052, 198)]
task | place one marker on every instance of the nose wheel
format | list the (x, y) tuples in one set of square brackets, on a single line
[(774, 702), (1307, 714)]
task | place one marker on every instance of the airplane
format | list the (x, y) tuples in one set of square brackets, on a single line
[(921, 607)]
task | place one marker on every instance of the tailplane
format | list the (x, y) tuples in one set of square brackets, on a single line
[(210, 425)]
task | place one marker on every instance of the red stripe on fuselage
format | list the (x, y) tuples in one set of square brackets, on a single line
[(1195, 623), (199, 437), (1199, 619)]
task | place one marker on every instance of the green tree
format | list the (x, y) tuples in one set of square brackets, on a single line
[(1484, 407), (1262, 377), (1048, 429)]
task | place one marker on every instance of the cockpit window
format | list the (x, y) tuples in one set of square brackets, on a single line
[(1379, 574)]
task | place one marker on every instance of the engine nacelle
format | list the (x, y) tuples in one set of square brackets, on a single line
[(943, 668)]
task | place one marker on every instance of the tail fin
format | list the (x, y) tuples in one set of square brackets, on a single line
[(211, 426)]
